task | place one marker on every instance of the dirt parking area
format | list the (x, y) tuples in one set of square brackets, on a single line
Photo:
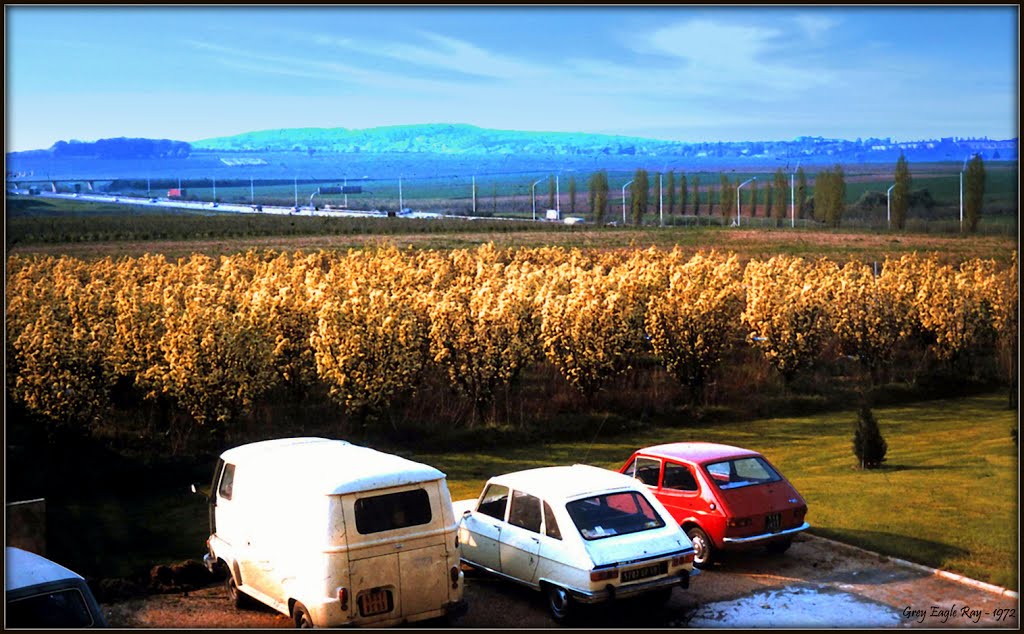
[(818, 583)]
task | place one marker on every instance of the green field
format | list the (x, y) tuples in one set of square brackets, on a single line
[(946, 496)]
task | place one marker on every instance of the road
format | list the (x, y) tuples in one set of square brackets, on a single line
[(818, 583), (169, 203)]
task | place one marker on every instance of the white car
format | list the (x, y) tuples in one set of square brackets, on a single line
[(42, 593), (578, 534)]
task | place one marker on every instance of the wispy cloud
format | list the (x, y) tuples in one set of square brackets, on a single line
[(815, 26), (258, 62), (443, 53)]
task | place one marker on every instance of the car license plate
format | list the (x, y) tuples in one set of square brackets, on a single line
[(376, 601), (643, 572), (773, 522)]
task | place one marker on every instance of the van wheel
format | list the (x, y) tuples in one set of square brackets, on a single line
[(301, 616), (238, 598), (560, 603), (703, 550)]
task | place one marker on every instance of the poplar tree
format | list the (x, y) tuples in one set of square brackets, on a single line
[(974, 192), (779, 206), (901, 193), (753, 198), (598, 186), (696, 195), (639, 195), (801, 191), (682, 194), (572, 194), (670, 185)]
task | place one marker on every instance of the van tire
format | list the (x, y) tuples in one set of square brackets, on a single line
[(238, 598), (301, 616)]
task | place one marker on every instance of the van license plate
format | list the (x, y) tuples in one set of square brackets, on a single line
[(376, 601)]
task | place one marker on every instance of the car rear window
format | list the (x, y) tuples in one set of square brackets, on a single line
[(741, 472), (613, 514), (60, 608), (392, 511)]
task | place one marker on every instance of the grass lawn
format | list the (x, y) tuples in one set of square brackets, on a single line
[(946, 497)]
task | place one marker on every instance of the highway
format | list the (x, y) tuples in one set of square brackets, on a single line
[(225, 207)]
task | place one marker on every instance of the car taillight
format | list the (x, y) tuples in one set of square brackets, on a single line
[(343, 598), (454, 574), (682, 560), (739, 522), (602, 575)]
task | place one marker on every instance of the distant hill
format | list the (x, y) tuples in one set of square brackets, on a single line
[(121, 148), (436, 138), (468, 140)]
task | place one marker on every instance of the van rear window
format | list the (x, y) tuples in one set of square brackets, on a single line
[(392, 511)]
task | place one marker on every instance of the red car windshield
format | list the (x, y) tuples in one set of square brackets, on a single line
[(741, 472), (613, 514)]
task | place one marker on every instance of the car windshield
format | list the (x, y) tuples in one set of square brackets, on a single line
[(613, 514), (741, 472)]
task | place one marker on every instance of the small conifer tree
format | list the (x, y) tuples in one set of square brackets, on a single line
[(868, 443)]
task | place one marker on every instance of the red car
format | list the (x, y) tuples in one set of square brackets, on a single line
[(724, 497)]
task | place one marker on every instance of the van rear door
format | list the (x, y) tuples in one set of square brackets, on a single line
[(397, 551)]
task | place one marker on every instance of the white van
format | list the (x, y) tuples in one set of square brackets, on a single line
[(331, 533)]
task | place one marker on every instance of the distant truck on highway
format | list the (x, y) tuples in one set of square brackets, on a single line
[(175, 193)]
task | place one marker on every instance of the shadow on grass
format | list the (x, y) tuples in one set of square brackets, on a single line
[(921, 551)]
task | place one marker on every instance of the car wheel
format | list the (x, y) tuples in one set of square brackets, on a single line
[(301, 616), (777, 548), (560, 603), (238, 598), (703, 550)]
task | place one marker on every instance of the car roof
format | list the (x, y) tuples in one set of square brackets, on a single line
[(566, 482), (23, 569), (696, 451), (351, 467)]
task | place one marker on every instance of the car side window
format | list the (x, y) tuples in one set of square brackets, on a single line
[(525, 511), (493, 501), (645, 470), (679, 477), (227, 482), (550, 525)]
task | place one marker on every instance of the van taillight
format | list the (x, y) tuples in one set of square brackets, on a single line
[(343, 598), (454, 574), (602, 575)]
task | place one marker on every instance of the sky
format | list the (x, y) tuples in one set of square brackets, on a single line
[(685, 73)]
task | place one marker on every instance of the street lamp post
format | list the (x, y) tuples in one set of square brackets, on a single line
[(792, 196), (533, 193), (738, 198), (962, 170), (214, 189), (888, 206), (252, 192), (400, 204), (624, 202), (295, 182), (661, 200)]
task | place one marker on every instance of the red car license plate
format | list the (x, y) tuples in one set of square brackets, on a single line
[(642, 573), (376, 601), (773, 522)]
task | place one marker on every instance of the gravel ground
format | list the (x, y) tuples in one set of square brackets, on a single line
[(816, 584)]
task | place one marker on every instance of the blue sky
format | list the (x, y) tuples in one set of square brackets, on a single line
[(687, 73)]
